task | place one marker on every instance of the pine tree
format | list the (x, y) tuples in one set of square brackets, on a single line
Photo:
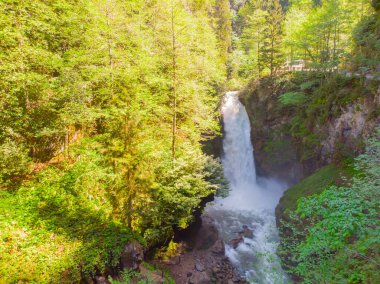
[(271, 52), (223, 27)]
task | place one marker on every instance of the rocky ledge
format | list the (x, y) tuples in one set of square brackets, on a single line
[(203, 259)]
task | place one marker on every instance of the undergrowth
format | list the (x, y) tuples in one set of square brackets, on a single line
[(332, 236)]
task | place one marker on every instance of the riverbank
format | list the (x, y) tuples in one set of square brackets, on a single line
[(202, 257)]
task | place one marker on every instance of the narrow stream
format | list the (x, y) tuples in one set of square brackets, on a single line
[(251, 202)]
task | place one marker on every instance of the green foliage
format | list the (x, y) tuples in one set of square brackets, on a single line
[(367, 44), (322, 34), (334, 92), (223, 27), (332, 236), (214, 175), (61, 225), (145, 277), (257, 45), (181, 185), (309, 85), (93, 96), (306, 138), (313, 184), (292, 98), (310, 99), (14, 162)]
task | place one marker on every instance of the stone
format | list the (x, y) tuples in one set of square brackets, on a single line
[(235, 242), (132, 256), (246, 232), (206, 263), (218, 248), (199, 267), (100, 280), (200, 278)]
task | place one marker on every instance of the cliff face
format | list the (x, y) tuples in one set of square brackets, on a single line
[(291, 142), (312, 139), (275, 151), (357, 121)]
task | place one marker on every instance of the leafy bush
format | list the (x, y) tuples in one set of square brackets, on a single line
[(59, 228), (180, 187), (332, 237), (214, 175), (309, 85), (292, 99), (367, 43), (14, 162)]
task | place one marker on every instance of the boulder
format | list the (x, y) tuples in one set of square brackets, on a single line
[(246, 232), (218, 248), (199, 267), (132, 256), (235, 242)]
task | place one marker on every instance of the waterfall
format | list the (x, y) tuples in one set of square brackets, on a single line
[(251, 201), (238, 162), (238, 159)]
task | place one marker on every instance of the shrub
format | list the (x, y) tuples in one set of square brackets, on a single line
[(14, 162), (334, 235), (292, 99)]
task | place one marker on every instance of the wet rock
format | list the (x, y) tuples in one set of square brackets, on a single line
[(246, 232), (235, 242), (206, 262)]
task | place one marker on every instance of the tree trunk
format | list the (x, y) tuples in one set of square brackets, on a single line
[(109, 47), (174, 78)]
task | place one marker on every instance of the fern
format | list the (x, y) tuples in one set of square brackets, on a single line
[(292, 99)]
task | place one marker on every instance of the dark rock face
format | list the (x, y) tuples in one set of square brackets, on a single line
[(338, 125), (132, 256), (204, 261), (279, 155), (275, 153)]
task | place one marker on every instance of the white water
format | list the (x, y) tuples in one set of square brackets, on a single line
[(251, 201)]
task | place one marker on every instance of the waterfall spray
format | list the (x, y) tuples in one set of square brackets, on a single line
[(251, 201)]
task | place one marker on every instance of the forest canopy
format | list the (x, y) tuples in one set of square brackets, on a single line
[(104, 105), (272, 36)]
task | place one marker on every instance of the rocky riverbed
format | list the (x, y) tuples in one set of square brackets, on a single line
[(203, 260)]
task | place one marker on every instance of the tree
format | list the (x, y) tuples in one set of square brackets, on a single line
[(261, 38), (104, 105), (223, 27), (322, 34), (272, 55)]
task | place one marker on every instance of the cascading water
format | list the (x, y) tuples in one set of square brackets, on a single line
[(251, 202)]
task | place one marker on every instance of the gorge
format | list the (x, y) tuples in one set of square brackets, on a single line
[(116, 133)]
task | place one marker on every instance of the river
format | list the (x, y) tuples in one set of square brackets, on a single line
[(251, 201)]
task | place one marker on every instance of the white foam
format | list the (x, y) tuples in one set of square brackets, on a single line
[(251, 202)]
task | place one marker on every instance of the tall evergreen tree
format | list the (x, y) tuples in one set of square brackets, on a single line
[(271, 52), (223, 27)]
